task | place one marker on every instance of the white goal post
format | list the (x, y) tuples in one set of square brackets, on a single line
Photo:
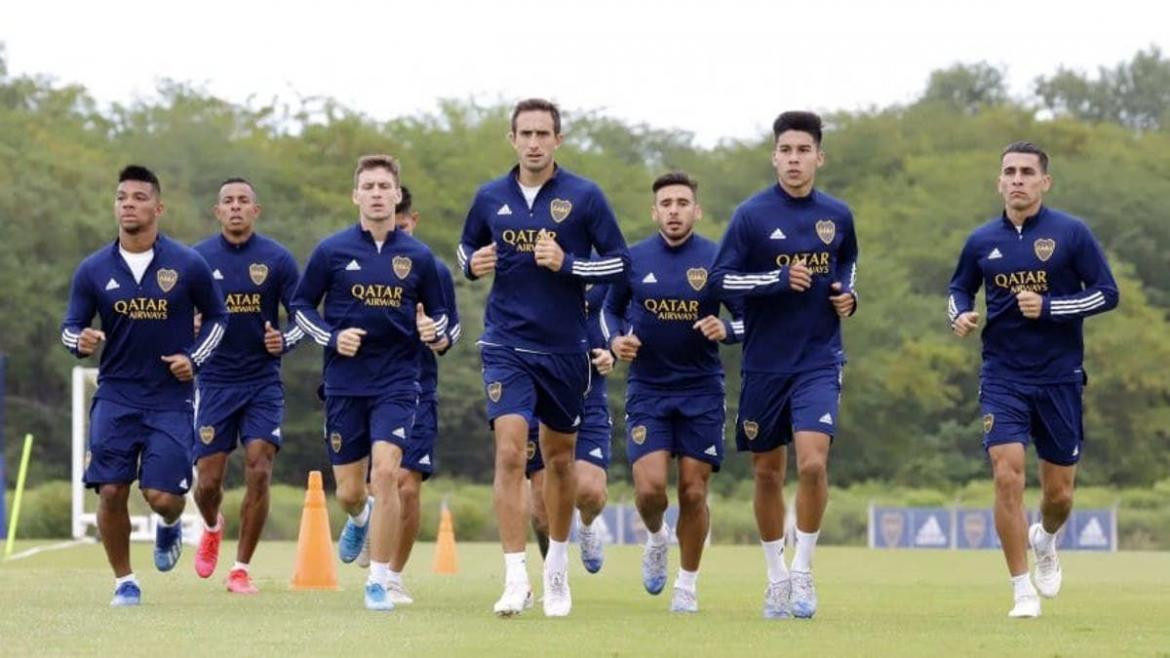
[(142, 526)]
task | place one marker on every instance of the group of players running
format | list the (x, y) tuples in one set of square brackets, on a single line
[(568, 299)]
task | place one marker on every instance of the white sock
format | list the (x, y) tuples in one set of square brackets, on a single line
[(212, 528), (363, 517), (1022, 586), (242, 566), (774, 558), (379, 573), (394, 576), (806, 542), (658, 538), (558, 556), (515, 568), (1045, 542), (686, 579), (177, 521), (128, 578)]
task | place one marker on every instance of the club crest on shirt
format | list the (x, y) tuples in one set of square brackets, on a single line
[(401, 266), (988, 422), (560, 209), (638, 434), (826, 230), (1044, 248), (335, 441), (207, 434), (531, 450), (697, 277), (494, 390), (167, 279), (750, 429), (258, 272)]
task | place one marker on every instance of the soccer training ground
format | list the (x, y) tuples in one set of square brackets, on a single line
[(872, 603)]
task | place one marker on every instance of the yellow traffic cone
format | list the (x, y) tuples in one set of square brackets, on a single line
[(315, 568), (445, 558)]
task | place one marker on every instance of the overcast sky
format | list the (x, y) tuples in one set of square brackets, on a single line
[(718, 68)]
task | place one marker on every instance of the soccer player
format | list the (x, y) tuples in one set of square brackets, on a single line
[(147, 289), (675, 396), (535, 228), (239, 396), (382, 297), (790, 253), (1043, 273), (418, 459), (591, 453)]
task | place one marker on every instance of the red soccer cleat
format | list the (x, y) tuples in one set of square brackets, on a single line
[(208, 553), (239, 582)]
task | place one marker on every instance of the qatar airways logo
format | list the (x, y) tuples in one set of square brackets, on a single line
[(377, 294), (524, 239), (677, 310), (243, 302), (816, 261), (142, 308), (1018, 281)]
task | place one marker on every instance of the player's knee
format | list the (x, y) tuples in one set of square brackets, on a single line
[(560, 463), (384, 477), (768, 476), (208, 485), (651, 497), (510, 458), (1009, 478), (408, 492), (350, 495), (591, 499), (812, 469), (167, 505), (113, 496), (692, 495), (1059, 497)]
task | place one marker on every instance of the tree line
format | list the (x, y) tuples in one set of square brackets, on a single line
[(919, 177)]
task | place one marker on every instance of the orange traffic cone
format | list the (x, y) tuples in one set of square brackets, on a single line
[(445, 558), (315, 568)]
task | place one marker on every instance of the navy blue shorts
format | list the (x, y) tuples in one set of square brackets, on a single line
[(353, 423), (774, 407), (593, 441), (128, 444), (683, 425), (229, 415), (1048, 415), (550, 387), (419, 455)]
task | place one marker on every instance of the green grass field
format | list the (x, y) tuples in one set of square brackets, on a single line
[(872, 603)]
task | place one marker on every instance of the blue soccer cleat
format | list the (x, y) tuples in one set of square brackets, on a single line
[(126, 595), (804, 595), (168, 546), (376, 598), (654, 567), (349, 545)]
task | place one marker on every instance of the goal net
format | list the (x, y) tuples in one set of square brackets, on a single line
[(85, 502)]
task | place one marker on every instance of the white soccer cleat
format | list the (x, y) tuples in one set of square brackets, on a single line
[(557, 600), (804, 595), (777, 600), (517, 598), (1047, 576), (684, 600), (1027, 607), (398, 594)]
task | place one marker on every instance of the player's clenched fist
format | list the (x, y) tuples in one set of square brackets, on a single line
[(349, 340), (1031, 304), (626, 347), (273, 339), (965, 323), (799, 276), (425, 324), (548, 253), (180, 365), (843, 302), (88, 341), (483, 261), (712, 328), (602, 360)]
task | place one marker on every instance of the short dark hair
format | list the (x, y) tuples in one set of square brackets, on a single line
[(805, 122), (1027, 147), (675, 178), (141, 174), (538, 105), (239, 179), (376, 161), (406, 203)]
